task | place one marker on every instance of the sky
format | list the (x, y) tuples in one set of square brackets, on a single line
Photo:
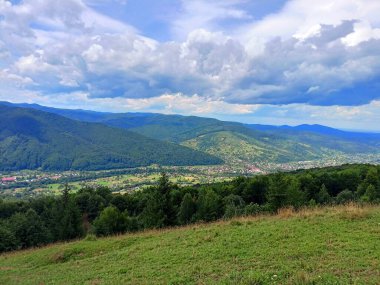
[(267, 62)]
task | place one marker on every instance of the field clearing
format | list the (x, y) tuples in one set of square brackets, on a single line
[(334, 245)]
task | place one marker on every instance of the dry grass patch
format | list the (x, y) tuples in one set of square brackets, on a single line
[(286, 212), (354, 211)]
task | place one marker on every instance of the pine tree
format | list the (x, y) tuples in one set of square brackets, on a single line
[(159, 211), (153, 215), (164, 188), (164, 184), (65, 194), (323, 196), (69, 217)]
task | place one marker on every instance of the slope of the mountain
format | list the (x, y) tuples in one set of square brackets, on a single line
[(244, 148), (174, 128), (31, 139), (236, 142)]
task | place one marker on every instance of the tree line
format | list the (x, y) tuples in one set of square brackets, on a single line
[(39, 221)]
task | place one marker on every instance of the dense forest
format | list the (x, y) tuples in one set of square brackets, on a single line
[(35, 222)]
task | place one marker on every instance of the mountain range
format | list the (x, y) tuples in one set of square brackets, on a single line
[(198, 140), (34, 139)]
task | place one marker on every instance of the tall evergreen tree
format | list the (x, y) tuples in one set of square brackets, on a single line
[(69, 217), (164, 184), (153, 215), (65, 194), (159, 211)]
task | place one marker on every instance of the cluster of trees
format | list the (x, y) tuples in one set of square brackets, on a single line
[(48, 219)]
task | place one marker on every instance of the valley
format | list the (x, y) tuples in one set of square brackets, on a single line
[(31, 183), (36, 183)]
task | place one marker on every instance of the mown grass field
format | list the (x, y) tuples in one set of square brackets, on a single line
[(336, 245)]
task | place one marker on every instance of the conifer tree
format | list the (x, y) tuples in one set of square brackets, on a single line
[(323, 196), (186, 210)]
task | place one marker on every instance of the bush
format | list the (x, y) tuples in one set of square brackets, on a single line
[(110, 221), (252, 209), (345, 197)]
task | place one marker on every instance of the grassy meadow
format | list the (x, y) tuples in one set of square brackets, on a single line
[(333, 245)]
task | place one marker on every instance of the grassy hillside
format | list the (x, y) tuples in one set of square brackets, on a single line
[(336, 245), (31, 139)]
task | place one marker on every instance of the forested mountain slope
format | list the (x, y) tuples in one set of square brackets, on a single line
[(31, 139), (236, 142)]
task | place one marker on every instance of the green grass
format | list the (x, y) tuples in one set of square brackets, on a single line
[(339, 245)]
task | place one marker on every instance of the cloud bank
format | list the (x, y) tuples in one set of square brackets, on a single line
[(221, 56)]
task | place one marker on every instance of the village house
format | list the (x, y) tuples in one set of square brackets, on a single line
[(8, 179)]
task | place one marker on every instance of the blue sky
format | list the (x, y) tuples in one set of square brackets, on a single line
[(270, 62)]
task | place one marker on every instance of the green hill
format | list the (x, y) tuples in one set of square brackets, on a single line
[(31, 139), (239, 143), (236, 146), (235, 142), (335, 245)]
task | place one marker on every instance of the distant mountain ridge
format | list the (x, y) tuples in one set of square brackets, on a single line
[(137, 119), (32, 139), (235, 142), (322, 130)]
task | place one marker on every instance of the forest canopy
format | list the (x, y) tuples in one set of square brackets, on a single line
[(39, 221)]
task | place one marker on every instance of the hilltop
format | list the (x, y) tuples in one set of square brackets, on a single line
[(332, 245)]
